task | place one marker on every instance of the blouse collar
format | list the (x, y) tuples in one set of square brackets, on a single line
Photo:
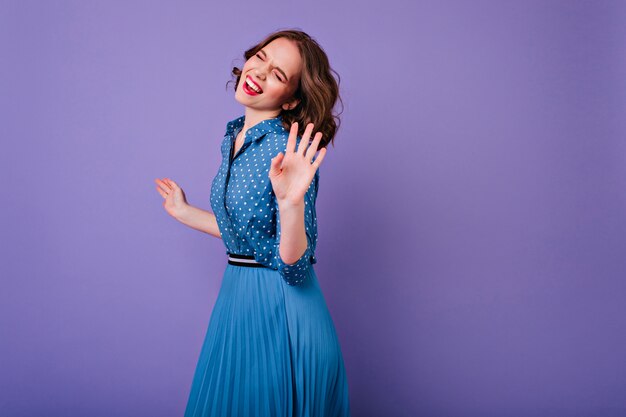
[(257, 131)]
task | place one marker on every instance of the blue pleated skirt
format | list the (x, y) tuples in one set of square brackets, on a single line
[(270, 350)]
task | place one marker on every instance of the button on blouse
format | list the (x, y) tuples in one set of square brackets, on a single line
[(244, 202)]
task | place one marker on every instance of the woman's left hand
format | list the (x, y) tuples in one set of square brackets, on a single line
[(291, 173)]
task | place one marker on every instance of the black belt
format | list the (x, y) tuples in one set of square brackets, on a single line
[(243, 260)]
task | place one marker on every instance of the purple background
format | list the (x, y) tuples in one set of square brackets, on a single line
[(472, 216)]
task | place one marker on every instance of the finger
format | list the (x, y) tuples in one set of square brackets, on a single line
[(163, 185), (293, 134), (166, 182), (276, 164), (320, 158), (171, 183), (163, 194), (310, 153), (305, 138)]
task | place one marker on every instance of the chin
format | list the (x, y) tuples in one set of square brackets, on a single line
[(240, 96)]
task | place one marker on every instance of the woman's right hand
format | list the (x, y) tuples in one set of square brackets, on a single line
[(175, 201)]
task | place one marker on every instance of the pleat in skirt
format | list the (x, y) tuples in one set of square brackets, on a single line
[(270, 350)]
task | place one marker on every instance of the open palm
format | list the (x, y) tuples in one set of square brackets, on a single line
[(291, 173)]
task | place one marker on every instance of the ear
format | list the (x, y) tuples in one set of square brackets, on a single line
[(291, 104)]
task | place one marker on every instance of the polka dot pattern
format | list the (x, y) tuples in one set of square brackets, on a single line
[(244, 202)]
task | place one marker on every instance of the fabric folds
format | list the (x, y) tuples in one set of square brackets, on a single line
[(270, 350)]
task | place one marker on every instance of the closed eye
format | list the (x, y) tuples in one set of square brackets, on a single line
[(276, 73)]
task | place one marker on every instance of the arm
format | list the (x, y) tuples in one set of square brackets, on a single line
[(272, 247), (198, 219), (177, 206), (294, 177), (293, 241), (293, 187), (296, 236)]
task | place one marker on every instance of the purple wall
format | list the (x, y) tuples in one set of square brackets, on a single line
[(472, 216)]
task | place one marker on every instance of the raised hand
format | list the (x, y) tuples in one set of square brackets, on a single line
[(291, 173), (175, 201)]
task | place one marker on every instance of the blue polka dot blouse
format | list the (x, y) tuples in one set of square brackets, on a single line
[(244, 203)]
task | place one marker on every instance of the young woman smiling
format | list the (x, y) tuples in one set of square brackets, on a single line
[(271, 348)]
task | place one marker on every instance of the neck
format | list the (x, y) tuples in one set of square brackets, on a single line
[(254, 117)]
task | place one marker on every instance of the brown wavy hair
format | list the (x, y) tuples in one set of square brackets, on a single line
[(318, 91)]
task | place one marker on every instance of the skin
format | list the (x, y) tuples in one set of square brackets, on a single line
[(290, 173)]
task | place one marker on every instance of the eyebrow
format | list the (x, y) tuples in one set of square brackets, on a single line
[(278, 68)]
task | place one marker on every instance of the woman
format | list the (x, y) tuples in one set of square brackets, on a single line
[(271, 347)]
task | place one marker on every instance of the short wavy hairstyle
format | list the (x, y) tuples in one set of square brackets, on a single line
[(318, 90)]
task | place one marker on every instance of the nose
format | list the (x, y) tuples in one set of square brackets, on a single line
[(261, 71)]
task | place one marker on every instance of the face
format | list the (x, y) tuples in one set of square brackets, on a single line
[(275, 72)]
